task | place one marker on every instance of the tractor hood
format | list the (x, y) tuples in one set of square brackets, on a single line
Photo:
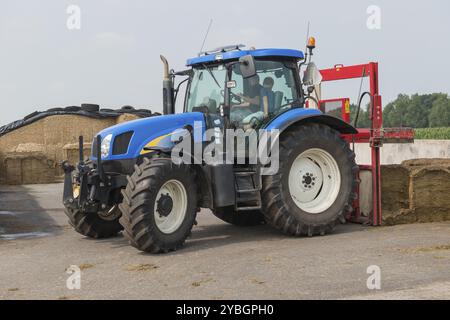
[(153, 131)]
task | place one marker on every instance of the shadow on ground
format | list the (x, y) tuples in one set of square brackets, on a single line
[(22, 216), (30, 212), (217, 234)]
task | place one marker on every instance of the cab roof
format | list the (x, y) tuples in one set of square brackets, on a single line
[(236, 54)]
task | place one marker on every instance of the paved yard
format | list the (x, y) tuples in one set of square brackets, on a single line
[(220, 261)]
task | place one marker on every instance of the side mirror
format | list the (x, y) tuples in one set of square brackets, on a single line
[(247, 66), (312, 76)]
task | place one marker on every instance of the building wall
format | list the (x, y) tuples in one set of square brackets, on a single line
[(395, 153)]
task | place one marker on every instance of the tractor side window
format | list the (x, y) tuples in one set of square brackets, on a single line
[(258, 99), (206, 89), (283, 88)]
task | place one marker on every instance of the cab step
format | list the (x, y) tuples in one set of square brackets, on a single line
[(248, 186)]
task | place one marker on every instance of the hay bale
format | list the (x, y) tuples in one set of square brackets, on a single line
[(417, 163), (13, 171), (47, 136), (72, 153), (29, 168), (430, 193), (50, 135), (395, 185), (28, 147), (127, 117), (401, 216), (416, 191)]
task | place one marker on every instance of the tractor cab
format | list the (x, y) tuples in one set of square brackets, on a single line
[(249, 87)]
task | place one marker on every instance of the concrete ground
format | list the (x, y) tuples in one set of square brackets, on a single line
[(220, 261)]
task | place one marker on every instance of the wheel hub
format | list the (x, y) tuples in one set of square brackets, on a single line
[(314, 180), (164, 205), (170, 206), (110, 214), (308, 180)]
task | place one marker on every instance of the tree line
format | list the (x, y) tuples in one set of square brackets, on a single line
[(415, 111)]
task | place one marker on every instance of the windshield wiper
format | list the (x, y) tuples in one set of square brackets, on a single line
[(212, 75)]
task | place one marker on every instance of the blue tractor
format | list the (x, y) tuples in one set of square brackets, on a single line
[(132, 183)]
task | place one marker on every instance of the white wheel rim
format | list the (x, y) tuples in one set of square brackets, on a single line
[(314, 180), (172, 221)]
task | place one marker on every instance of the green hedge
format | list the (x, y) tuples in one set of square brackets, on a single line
[(433, 133)]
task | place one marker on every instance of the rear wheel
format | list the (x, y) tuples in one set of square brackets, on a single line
[(96, 225), (315, 184), (159, 206), (242, 218)]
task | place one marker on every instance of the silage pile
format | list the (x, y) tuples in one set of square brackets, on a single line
[(31, 149), (416, 191)]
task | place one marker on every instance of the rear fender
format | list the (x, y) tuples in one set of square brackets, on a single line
[(300, 116)]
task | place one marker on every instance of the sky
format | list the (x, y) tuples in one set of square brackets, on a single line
[(111, 57)]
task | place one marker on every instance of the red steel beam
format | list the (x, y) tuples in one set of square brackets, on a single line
[(373, 135), (339, 72)]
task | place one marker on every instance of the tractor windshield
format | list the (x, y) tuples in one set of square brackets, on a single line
[(206, 88)]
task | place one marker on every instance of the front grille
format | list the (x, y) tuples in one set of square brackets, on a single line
[(121, 143)]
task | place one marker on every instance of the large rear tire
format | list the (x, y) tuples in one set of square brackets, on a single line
[(315, 183), (93, 225), (159, 205), (241, 219)]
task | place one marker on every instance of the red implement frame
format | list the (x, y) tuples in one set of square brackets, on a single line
[(375, 135), (345, 107)]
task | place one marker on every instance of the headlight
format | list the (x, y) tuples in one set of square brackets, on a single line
[(105, 146)]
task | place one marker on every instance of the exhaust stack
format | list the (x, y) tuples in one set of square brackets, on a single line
[(168, 103)]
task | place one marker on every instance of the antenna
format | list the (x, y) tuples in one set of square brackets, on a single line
[(306, 48), (206, 35), (307, 36), (306, 42)]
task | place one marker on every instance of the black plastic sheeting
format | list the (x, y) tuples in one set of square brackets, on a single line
[(76, 110)]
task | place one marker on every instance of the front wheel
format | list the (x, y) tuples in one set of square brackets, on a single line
[(315, 184), (102, 224), (159, 206)]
